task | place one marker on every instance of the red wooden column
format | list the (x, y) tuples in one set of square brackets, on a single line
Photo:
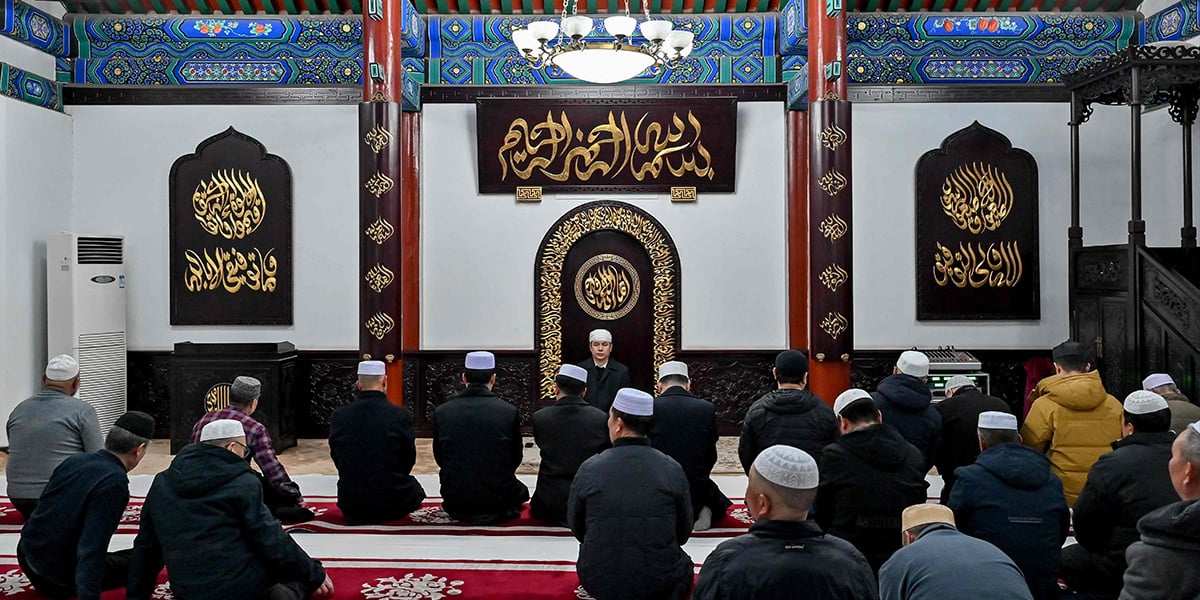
[(797, 228), (831, 305), (380, 153)]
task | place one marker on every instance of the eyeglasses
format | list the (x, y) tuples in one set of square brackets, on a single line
[(245, 449)]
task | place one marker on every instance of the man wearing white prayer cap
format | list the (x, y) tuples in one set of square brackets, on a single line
[(567, 433), (1183, 411), (373, 446), (1122, 487), (960, 419), (477, 443), (1010, 498), (630, 510), (868, 476), (785, 554), (205, 520), (685, 428), (605, 375), (46, 429), (906, 403)]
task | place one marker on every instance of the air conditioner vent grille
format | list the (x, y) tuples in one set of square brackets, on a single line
[(101, 250)]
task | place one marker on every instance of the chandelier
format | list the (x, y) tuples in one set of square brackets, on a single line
[(546, 43)]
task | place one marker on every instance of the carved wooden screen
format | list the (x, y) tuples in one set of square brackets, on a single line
[(977, 229), (231, 234)]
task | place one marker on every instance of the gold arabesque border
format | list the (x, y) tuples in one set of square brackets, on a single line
[(603, 217)]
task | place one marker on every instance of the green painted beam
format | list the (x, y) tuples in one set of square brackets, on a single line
[(939, 5), (741, 5), (655, 6), (159, 7), (356, 6), (443, 7), (505, 6), (720, 6), (464, 7), (763, 5), (677, 7), (590, 7), (222, 4), (961, 5), (527, 6)]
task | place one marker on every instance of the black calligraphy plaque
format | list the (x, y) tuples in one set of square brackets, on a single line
[(606, 145), (231, 234), (977, 229)]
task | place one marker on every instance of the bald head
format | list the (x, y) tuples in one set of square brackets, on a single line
[(1185, 463)]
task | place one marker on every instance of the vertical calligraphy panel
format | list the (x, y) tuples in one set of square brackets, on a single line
[(380, 226)]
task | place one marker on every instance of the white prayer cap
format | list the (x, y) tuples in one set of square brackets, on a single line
[(1196, 427), (480, 361), (1155, 380), (913, 363), (847, 398), (63, 367), (222, 429), (634, 402), (1142, 402), (673, 367), (600, 335), (788, 467), (959, 381), (372, 367), (574, 372), (994, 419)]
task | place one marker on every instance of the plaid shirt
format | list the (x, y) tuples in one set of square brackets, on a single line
[(259, 442)]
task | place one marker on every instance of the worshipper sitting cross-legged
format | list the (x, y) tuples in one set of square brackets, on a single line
[(567, 433), (629, 508), (45, 429), (204, 518), (1010, 498), (1162, 564), (685, 428), (960, 437), (1122, 487), (1183, 411), (785, 554), (905, 401), (63, 548), (605, 375), (868, 476), (372, 444), (1073, 420), (790, 414), (281, 494), (938, 563), (477, 445)]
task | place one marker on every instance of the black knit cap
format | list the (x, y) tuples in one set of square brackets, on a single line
[(1069, 350), (791, 363), (138, 423)]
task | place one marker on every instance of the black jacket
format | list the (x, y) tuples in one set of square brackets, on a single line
[(786, 559), (205, 519), (629, 509), (373, 446), (1010, 498), (66, 538), (960, 431), (685, 428), (602, 384), (477, 444), (905, 402), (1162, 565), (868, 477), (796, 418), (1122, 487), (567, 433)]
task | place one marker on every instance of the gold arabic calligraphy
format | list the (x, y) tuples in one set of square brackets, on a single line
[(606, 287), (977, 197), (230, 204), (555, 149), (232, 270), (997, 265)]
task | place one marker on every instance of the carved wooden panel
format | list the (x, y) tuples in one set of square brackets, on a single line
[(1101, 269), (732, 382)]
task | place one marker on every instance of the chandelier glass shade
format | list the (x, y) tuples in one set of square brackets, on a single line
[(564, 45)]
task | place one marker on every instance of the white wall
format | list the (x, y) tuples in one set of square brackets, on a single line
[(26, 57), (888, 140), (478, 252), (123, 158), (35, 166)]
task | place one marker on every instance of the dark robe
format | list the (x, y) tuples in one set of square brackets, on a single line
[(685, 428), (603, 383), (567, 433), (373, 446)]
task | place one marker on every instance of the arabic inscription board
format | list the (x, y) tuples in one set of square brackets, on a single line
[(231, 234), (606, 145), (977, 229)]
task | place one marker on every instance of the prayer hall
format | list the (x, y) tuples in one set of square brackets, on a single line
[(599, 299)]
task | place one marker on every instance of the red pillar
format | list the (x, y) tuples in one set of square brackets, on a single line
[(797, 228), (831, 305), (380, 180)]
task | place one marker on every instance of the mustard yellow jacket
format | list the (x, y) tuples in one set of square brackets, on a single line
[(1072, 421)]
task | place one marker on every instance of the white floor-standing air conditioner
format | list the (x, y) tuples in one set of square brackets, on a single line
[(85, 315)]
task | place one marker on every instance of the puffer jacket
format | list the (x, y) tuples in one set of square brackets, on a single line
[(797, 418), (1163, 565), (1183, 412), (1073, 422), (905, 402)]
